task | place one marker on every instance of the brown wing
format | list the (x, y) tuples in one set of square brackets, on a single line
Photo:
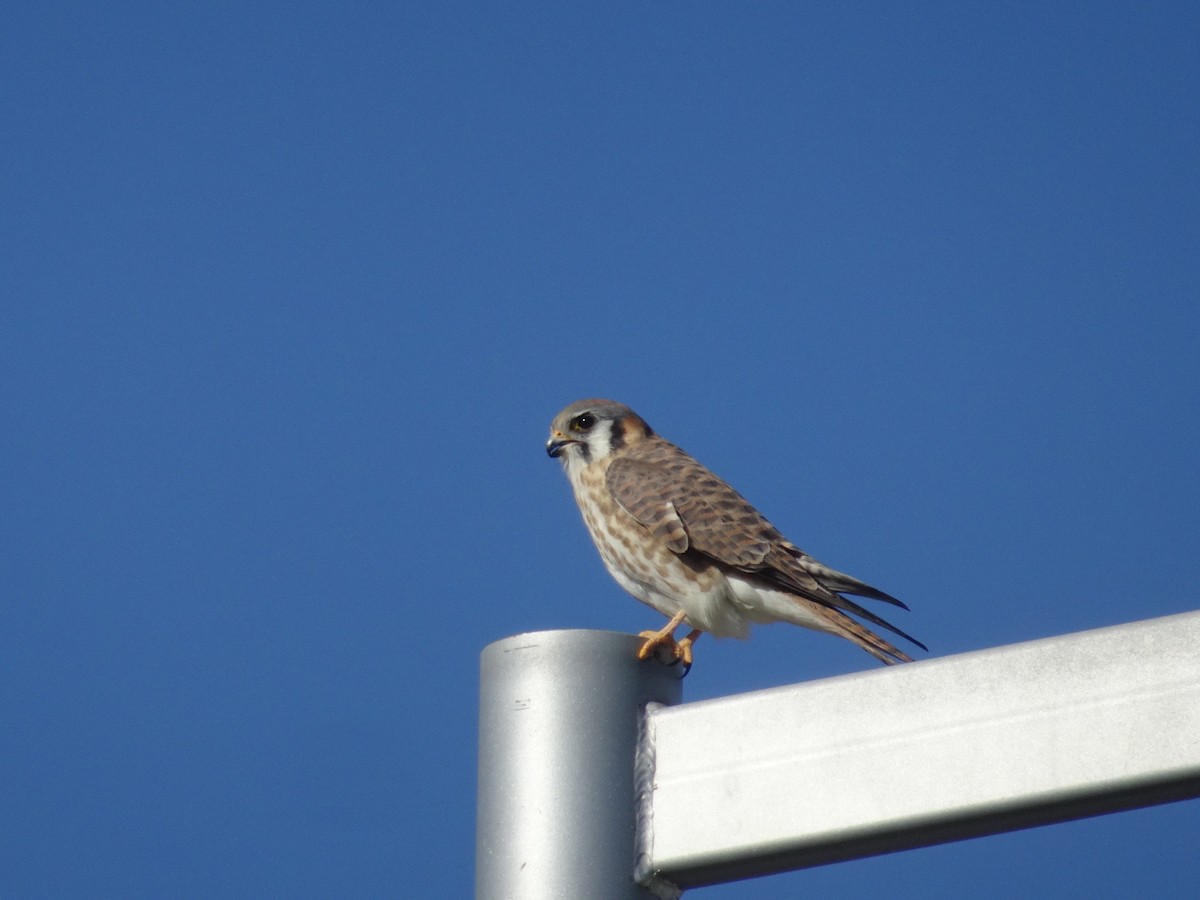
[(686, 505), (689, 508)]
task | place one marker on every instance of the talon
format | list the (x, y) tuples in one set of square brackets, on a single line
[(683, 650), (656, 641), (665, 638), (668, 650), (684, 647)]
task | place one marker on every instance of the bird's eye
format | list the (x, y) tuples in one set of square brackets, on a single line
[(584, 422)]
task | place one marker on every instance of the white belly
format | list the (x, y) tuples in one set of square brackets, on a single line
[(661, 580)]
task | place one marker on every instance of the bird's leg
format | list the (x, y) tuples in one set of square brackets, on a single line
[(664, 637)]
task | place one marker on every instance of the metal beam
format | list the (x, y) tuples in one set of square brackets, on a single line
[(560, 715), (924, 753)]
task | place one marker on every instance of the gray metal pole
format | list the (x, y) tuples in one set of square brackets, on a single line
[(559, 716), (934, 751)]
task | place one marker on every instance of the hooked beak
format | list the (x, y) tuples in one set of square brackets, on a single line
[(557, 444)]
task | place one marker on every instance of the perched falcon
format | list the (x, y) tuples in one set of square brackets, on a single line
[(680, 539)]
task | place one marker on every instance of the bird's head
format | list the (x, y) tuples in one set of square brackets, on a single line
[(590, 430)]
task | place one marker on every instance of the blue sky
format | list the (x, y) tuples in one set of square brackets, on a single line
[(292, 293)]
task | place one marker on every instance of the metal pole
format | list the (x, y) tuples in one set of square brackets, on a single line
[(934, 751), (559, 719)]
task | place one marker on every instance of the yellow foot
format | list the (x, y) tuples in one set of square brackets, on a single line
[(669, 650), (657, 641), (665, 638), (684, 650)]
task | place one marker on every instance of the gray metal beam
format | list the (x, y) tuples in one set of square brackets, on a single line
[(925, 753), (560, 714)]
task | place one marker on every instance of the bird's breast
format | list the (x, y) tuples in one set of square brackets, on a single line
[(641, 563)]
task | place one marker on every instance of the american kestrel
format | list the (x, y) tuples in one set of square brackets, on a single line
[(683, 541)]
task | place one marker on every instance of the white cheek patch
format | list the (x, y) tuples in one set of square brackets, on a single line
[(600, 440)]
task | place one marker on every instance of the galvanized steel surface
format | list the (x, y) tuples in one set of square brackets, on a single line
[(560, 713), (928, 752)]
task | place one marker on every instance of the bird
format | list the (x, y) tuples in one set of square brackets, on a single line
[(684, 542)]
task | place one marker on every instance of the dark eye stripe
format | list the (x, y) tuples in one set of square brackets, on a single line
[(616, 439)]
